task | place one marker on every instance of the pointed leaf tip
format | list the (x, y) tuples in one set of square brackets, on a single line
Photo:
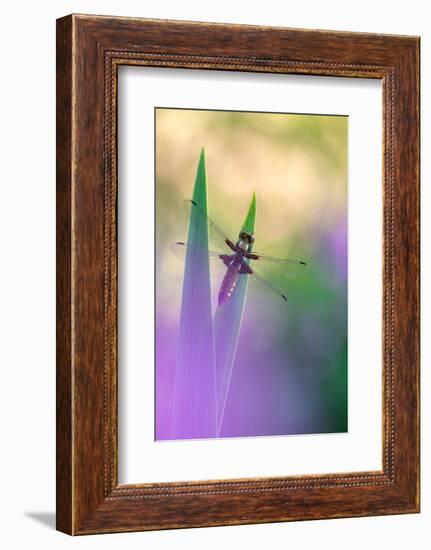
[(200, 188), (250, 218)]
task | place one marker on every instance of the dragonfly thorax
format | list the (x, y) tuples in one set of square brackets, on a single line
[(242, 245)]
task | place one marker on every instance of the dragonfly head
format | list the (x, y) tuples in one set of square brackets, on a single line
[(246, 240), (247, 237)]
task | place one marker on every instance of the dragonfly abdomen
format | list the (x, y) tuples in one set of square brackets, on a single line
[(229, 282)]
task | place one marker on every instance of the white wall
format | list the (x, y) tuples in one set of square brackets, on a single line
[(27, 218)]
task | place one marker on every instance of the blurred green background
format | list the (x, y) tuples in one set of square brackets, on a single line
[(290, 374)]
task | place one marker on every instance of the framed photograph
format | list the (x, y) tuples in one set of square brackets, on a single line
[(237, 274)]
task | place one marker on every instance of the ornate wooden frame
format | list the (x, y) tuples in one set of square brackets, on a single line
[(89, 51)]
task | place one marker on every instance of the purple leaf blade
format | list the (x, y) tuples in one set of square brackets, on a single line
[(194, 407)]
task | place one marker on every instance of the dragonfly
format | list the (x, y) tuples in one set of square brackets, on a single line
[(236, 258)]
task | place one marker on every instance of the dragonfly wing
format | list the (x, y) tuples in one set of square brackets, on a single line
[(277, 267), (217, 236), (217, 260), (262, 292)]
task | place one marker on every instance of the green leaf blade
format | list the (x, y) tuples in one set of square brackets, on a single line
[(227, 327)]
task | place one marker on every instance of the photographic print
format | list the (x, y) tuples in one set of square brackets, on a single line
[(251, 274)]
